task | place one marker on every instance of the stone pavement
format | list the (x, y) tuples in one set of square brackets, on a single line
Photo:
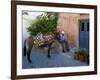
[(58, 59)]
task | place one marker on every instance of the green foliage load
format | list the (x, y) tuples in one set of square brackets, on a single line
[(45, 23)]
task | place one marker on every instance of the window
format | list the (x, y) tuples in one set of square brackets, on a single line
[(88, 26), (82, 28)]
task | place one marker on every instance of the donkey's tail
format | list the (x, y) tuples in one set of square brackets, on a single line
[(24, 52)]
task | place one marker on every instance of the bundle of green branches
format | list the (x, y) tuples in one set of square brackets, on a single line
[(45, 23)]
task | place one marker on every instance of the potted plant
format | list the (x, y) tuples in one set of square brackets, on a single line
[(76, 55), (87, 56), (82, 56)]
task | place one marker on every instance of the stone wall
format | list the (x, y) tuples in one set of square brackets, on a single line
[(69, 23)]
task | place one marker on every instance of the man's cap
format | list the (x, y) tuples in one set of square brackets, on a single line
[(62, 32)]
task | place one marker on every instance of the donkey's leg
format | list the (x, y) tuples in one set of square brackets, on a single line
[(49, 47), (28, 55), (48, 53), (24, 52)]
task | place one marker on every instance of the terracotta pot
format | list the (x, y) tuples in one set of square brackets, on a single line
[(81, 58), (76, 56)]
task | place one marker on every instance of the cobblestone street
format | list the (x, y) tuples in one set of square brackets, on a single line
[(58, 59)]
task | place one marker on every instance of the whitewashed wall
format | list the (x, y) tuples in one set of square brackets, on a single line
[(26, 22)]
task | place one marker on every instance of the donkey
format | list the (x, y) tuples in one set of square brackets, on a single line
[(47, 42)]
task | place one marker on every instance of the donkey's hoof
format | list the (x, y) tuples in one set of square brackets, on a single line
[(49, 56), (29, 61)]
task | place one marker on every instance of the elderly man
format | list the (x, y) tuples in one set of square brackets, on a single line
[(64, 42)]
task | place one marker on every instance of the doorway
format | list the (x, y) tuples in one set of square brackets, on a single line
[(84, 34)]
